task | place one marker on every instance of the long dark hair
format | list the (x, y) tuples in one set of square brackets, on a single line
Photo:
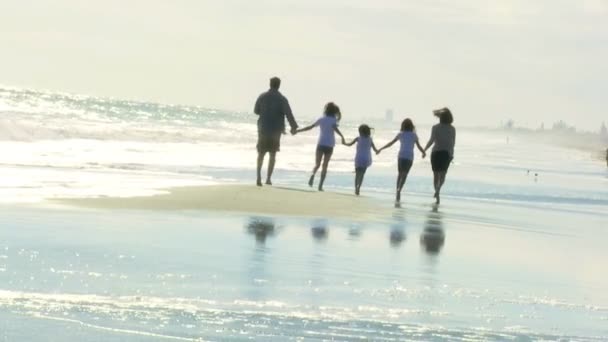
[(331, 109), (407, 125), (446, 117)]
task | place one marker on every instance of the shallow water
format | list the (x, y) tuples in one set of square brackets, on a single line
[(507, 256)]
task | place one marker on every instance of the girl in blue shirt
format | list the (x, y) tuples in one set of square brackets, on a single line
[(363, 158), (408, 138), (328, 125)]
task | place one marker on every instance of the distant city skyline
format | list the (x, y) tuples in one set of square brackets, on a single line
[(530, 61)]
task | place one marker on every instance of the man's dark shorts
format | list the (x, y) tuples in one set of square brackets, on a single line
[(440, 161), (269, 142)]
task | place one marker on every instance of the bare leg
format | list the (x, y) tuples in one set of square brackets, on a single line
[(271, 162), (362, 177), (436, 183), (400, 183), (359, 175), (326, 159), (397, 188), (318, 157), (440, 179), (259, 167)]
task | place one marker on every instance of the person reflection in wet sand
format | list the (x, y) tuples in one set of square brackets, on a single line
[(354, 232), (261, 228), (319, 230), (397, 235), (433, 236)]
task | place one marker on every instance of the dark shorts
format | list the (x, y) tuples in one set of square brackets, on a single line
[(269, 142), (360, 169), (327, 150), (404, 165), (440, 161)]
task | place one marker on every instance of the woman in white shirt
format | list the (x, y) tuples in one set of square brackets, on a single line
[(443, 139), (328, 126)]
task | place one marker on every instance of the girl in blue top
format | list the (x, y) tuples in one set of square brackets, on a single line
[(328, 125), (363, 158), (408, 138)]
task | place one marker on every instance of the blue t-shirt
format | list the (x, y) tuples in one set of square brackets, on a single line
[(408, 140), (326, 131), (363, 158)]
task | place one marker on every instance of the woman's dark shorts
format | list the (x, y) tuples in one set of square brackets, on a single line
[(404, 165), (326, 150), (269, 142), (440, 161)]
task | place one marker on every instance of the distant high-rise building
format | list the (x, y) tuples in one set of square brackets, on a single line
[(388, 116)]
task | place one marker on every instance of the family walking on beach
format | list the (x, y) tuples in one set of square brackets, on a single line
[(273, 108)]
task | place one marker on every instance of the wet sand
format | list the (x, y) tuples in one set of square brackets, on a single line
[(466, 271)]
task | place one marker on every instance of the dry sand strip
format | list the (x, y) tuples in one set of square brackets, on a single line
[(245, 198)]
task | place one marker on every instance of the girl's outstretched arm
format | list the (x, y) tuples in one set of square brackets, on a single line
[(350, 143), (420, 148), (389, 144), (374, 148), (339, 133)]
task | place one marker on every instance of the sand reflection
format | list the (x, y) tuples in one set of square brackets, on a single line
[(397, 233), (261, 228), (319, 230), (432, 238)]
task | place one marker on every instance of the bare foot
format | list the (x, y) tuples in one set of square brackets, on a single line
[(311, 181), (268, 182), (321, 189), (437, 197), (259, 182)]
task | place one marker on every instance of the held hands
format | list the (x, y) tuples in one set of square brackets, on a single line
[(378, 152), (343, 140), (294, 131), (423, 154)]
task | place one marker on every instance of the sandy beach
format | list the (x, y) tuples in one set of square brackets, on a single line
[(288, 201)]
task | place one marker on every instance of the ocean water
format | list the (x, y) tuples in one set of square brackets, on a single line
[(509, 255)]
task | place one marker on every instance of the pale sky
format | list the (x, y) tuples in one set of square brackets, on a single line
[(529, 60)]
